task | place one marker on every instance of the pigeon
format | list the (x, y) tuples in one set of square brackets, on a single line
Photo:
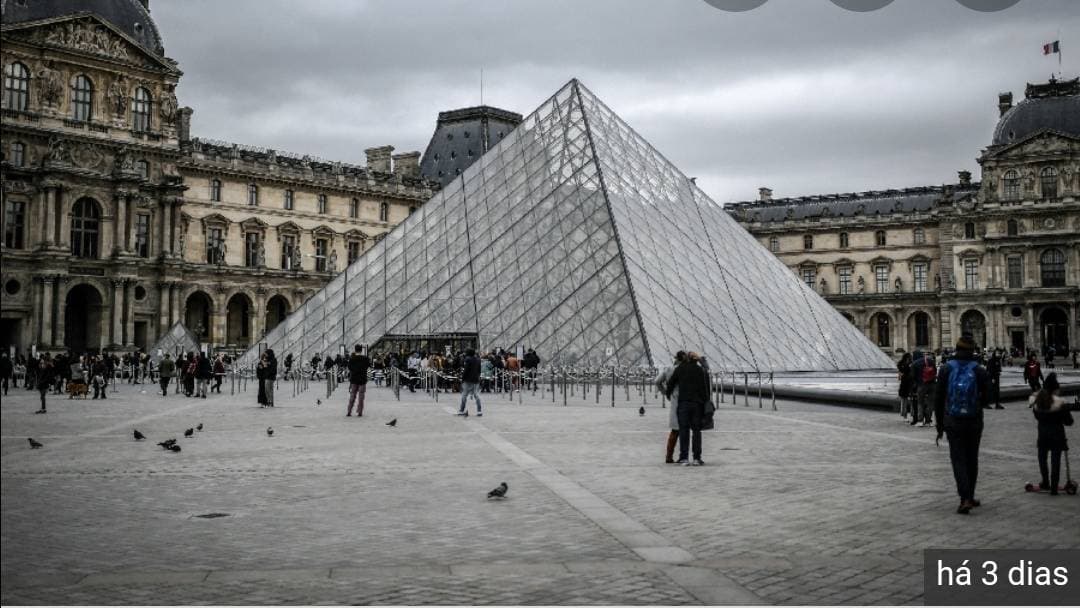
[(641, 411), (392, 422), (499, 492), (174, 448), (199, 427), (269, 431), (318, 402), (138, 436), (189, 432), (168, 443), (34, 444)]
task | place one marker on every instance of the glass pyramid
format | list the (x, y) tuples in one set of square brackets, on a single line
[(575, 237), (178, 339)]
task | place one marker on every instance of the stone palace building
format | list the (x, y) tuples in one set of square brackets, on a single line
[(914, 268), (118, 223)]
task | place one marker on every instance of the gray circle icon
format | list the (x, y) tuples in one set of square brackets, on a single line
[(862, 6), (736, 6), (988, 6)]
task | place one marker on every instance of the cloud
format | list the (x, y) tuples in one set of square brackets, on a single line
[(799, 95)]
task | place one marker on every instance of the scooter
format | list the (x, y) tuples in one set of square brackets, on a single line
[(1070, 486)]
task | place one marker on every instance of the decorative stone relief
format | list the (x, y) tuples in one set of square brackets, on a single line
[(88, 156), (118, 95), (50, 85), (168, 107), (58, 151), (87, 36)]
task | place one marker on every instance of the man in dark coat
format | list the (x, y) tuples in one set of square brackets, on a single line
[(693, 385), (959, 414), (470, 383), (204, 371), (7, 370), (358, 377)]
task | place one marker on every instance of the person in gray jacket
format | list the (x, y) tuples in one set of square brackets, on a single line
[(166, 369), (673, 413)]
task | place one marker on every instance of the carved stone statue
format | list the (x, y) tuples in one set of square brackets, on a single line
[(332, 264), (260, 255), (168, 108), (50, 85), (296, 258), (124, 162), (180, 243), (862, 285), (898, 285), (824, 286), (118, 95), (221, 253), (58, 152)]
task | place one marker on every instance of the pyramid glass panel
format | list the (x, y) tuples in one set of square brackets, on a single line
[(575, 237)]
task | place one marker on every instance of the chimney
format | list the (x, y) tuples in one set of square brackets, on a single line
[(1004, 102), (764, 194), (965, 178), (378, 159), (183, 128), (407, 164)]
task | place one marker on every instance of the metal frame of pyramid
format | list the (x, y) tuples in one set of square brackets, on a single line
[(179, 339), (577, 238)]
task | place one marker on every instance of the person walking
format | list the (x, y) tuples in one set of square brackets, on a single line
[(219, 374), (1053, 416), (1033, 372), (993, 368), (100, 373), (7, 370), (44, 379), (903, 372), (959, 413), (358, 377), (693, 385), (270, 376), (166, 370), (924, 380), (260, 375), (204, 371), (470, 383), (673, 412)]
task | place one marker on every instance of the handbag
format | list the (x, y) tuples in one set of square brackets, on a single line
[(707, 423)]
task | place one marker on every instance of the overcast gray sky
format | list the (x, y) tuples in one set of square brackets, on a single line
[(798, 95)]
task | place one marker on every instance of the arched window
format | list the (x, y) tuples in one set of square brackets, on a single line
[(82, 98), (1048, 182), (1052, 266), (384, 212), (85, 225), (18, 154), (969, 230), (774, 244), (354, 208), (808, 241), (844, 240), (882, 329), (16, 87), (1013, 228), (215, 190), (140, 110), (253, 195), (920, 236), (921, 321), (879, 238), (1011, 185)]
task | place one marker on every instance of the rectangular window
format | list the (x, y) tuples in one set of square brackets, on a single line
[(288, 200), (354, 208), (142, 235), (320, 255), (251, 250), (809, 276), (845, 280), (881, 278), (215, 246), (14, 224), (1016, 272), (354, 251), (215, 190), (322, 203), (253, 195), (919, 272), (288, 249), (18, 154), (971, 275)]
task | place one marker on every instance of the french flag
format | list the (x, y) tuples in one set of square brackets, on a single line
[(1053, 47)]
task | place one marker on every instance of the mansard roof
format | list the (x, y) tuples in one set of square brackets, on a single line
[(871, 203)]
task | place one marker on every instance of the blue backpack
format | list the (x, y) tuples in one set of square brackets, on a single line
[(963, 395)]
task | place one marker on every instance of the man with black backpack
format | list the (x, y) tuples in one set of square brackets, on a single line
[(963, 390)]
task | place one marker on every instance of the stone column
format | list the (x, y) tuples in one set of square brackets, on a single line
[(164, 298), (129, 313), (46, 312), (44, 231), (59, 335), (175, 299), (166, 228), (120, 224), (63, 220), (118, 311)]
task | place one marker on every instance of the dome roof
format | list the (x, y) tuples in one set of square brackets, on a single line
[(1054, 106), (130, 16)]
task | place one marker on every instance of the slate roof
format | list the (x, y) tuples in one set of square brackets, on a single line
[(883, 202), (1054, 106), (461, 137), (129, 15)]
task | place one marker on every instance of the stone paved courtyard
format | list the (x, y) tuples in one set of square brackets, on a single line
[(808, 504)]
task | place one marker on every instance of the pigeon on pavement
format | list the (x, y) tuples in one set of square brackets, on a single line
[(499, 492), (34, 444), (138, 436), (269, 431), (392, 422), (199, 427), (174, 448), (189, 432), (641, 411), (318, 402), (168, 443)]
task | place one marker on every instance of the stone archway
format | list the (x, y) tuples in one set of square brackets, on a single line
[(881, 329), (238, 320), (973, 323), (920, 330), (277, 308), (197, 315), (1054, 326), (83, 310)]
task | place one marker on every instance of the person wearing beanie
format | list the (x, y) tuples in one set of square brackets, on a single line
[(963, 390), (1053, 416)]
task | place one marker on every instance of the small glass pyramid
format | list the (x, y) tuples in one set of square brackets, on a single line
[(573, 236), (178, 339)]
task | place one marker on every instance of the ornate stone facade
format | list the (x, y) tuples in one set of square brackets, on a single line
[(915, 268), (117, 223)]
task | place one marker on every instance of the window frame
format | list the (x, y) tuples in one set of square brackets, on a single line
[(774, 244), (215, 239), (844, 275), (969, 230), (82, 98), (881, 239), (884, 330), (14, 224), (289, 200), (215, 190), (1048, 182), (1014, 263), (322, 204), (251, 248), (881, 278), (86, 229), (354, 208), (384, 211), (1052, 273), (142, 104), (351, 255), (1010, 185), (253, 195), (971, 274), (17, 86), (845, 240), (289, 243), (322, 252), (18, 154), (1012, 228), (142, 235), (920, 273), (919, 236), (808, 274), (807, 242)]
